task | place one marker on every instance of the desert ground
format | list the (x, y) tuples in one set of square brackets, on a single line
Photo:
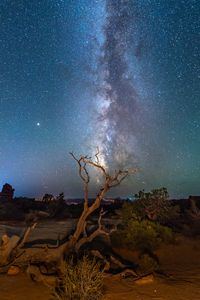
[(179, 261)]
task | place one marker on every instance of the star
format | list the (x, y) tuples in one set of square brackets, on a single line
[(118, 75)]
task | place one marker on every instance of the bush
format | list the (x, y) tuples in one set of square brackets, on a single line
[(153, 205), (145, 236), (132, 211), (80, 280)]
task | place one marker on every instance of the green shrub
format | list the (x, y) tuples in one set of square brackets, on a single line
[(132, 211), (144, 235), (80, 280), (153, 205), (141, 235)]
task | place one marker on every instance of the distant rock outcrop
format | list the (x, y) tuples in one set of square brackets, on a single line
[(7, 192)]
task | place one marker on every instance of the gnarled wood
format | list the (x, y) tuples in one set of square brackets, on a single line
[(13, 250), (10, 247)]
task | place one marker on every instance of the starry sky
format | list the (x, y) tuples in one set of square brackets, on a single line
[(123, 75)]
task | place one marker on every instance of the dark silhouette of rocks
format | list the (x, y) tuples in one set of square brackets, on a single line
[(7, 192)]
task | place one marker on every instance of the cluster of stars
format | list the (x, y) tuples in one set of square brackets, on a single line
[(121, 75)]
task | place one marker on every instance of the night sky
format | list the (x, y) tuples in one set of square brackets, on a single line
[(123, 75)]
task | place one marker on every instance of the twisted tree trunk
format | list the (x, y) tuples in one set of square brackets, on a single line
[(12, 251)]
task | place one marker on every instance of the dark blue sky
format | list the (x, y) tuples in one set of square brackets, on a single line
[(122, 75)]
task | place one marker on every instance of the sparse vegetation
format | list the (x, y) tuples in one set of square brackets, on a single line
[(80, 280), (153, 205), (141, 229)]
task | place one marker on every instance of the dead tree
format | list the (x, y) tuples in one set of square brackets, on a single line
[(54, 255), (109, 182)]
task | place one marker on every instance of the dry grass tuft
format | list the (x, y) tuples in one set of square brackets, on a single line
[(80, 280)]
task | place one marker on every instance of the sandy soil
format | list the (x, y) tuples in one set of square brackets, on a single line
[(181, 261), (21, 288)]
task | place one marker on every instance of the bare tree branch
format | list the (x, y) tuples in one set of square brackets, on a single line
[(26, 235), (92, 236), (97, 155), (110, 181), (10, 250)]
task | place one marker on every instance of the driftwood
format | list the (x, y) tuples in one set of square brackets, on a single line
[(8, 245), (11, 247), (12, 250)]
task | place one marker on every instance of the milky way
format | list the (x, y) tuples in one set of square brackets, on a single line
[(118, 99), (123, 75)]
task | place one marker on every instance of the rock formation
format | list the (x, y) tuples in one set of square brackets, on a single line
[(7, 192)]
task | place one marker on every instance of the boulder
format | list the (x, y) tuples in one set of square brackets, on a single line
[(13, 270)]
